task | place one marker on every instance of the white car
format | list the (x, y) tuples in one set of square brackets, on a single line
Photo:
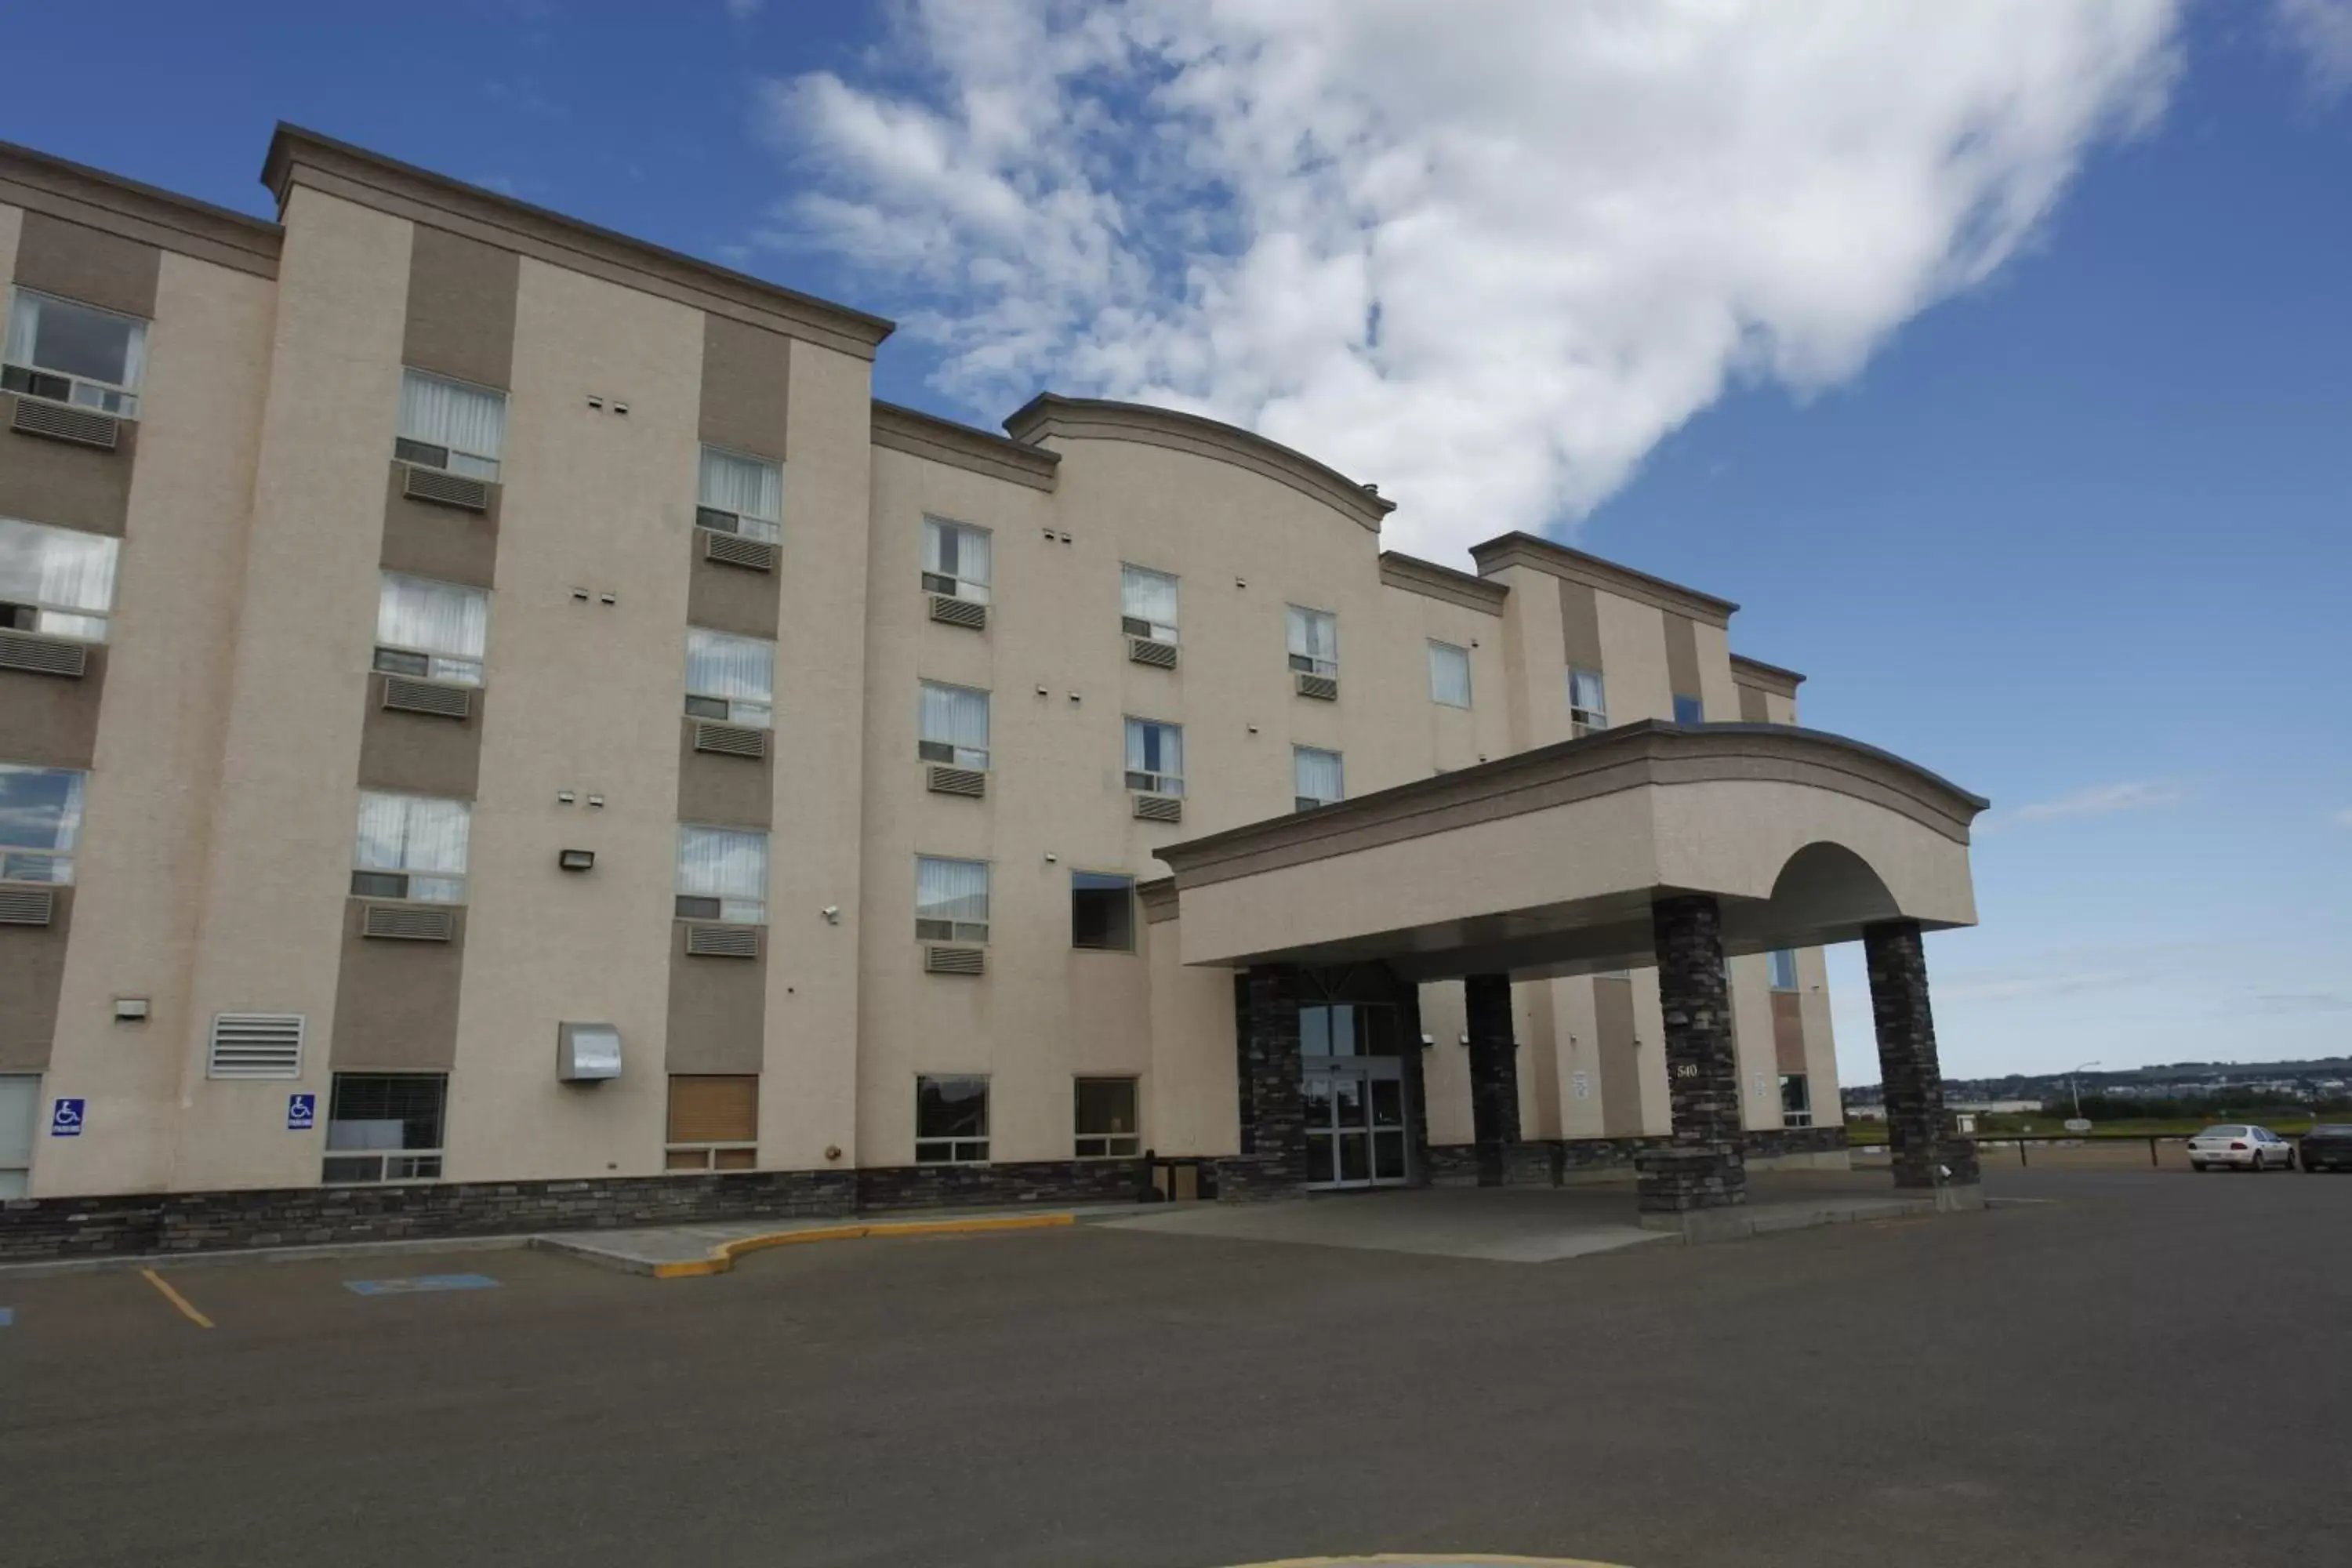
[(2242, 1148)]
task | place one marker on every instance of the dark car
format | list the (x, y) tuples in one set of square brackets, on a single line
[(2328, 1147)]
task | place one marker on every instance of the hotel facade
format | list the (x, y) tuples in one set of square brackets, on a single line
[(497, 726)]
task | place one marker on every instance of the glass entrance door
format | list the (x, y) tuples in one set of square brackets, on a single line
[(1355, 1125)]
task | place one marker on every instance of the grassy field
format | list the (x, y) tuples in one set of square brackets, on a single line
[(2010, 1126)]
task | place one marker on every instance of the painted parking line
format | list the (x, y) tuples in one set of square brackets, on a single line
[(187, 1309), (419, 1285)]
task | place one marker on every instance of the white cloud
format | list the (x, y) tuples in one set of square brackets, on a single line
[(1485, 254), (2321, 32), (2094, 800)]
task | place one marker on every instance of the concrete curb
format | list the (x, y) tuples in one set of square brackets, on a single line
[(722, 1259)]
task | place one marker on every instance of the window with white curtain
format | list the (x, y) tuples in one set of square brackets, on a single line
[(1588, 702), (952, 725), (723, 874), (741, 495), (411, 846), (1314, 641), (1155, 756), (957, 560), (433, 630), (1449, 674), (1317, 777), (950, 900), (1147, 604), (74, 354), (40, 822), (54, 580), (446, 424), (729, 678)]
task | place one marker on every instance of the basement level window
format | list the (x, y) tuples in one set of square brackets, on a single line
[(950, 1121), (1107, 1129), (385, 1127)]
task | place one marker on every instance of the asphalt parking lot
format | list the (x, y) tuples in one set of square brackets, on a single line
[(2152, 1369)]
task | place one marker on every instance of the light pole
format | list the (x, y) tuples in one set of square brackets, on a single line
[(2074, 1085)]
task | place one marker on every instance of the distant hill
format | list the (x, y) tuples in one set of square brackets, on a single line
[(2324, 1079)]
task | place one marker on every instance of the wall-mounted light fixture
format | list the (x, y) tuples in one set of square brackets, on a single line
[(576, 859), (131, 1009)]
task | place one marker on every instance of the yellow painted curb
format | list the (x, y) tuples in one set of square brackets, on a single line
[(722, 1256)]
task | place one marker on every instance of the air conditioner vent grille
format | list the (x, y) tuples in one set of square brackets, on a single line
[(958, 780), (410, 922), (955, 960), (256, 1044), (708, 941), (1158, 654), (958, 612), (734, 550), (83, 426), (731, 739), (27, 905), (1159, 808), (431, 697), (1322, 687), (445, 490), (42, 654)]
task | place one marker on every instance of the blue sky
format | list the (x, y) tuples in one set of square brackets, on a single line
[(2029, 437)]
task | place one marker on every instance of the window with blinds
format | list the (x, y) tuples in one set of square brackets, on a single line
[(714, 1122)]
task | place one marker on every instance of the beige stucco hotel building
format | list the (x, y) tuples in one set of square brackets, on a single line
[(488, 704)]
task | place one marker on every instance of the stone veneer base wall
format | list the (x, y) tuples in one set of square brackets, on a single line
[(1548, 1161), (163, 1224)]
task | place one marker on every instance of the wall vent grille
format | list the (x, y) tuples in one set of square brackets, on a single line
[(703, 941), (731, 739), (958, 780), (427, 697), (445, 490), (256, 1044), (958, 612), (734, 550), (410, 922), (955, 961)]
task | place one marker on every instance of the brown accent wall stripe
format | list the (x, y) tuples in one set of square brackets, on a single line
[(420, 753), (1789, 1031), (461, 307), (397, 1001), (62, 484), (51, 721), (1579, 623), (32, 970), (745, 374), (718, 1010), (445, 543), (714, 787), (1620, 1053), (722, 598), (1682, 655), (1751, 707), (67, 259)]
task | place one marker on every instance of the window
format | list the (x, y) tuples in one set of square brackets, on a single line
[(950, 900), (1317, 777), (730, 679), (714, 1122), (74, 354), (448, 424), (1796, 1100), (1449, 675), (1147, 604), (950, 1121), (1102, 911), (741, 495), (723, 874), (1689, 710), (1314, 641), (952, 725), (436, 631), (20, 1110), (955, 560), (1784, 969), (1588, 702), (1107, 1125), (411, 846), (56, 581), (1155, 756), (385, 1126), (40, 821)]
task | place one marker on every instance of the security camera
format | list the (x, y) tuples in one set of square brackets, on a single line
[(832, 914)]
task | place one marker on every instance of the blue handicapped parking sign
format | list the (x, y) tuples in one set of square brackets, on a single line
[(66, 1119), (301, 1112)]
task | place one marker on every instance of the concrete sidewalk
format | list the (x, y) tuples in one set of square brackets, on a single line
[(688, 1251)]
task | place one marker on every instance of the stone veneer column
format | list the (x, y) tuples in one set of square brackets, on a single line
[(1702, 1166), (1415, 1077), (1494, 1073), (1924, 1148), (1276, 1158)]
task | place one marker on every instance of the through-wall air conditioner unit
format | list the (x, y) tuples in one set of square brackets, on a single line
[(955, 961), (63, 422), (734, 550), (27, 905), (1146, 650), (409, 922), (954, 612), (42, 654), (446, 489), (712, 940), (1159, 808), (969, 782), (438, 699), (1322, 687), (730, 739)]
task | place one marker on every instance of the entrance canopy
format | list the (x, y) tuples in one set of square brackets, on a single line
[(1547, 862)]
